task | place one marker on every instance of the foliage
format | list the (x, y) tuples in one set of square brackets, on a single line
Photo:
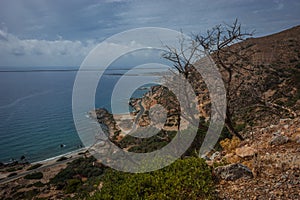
[(12, 169), (38, 184), (35, 166), (72, 185), (31, 194), (36, 175), (69, 179), (12, 174), (188, 178), (62, 158), (194, 148), (240, 127), (143, 145)]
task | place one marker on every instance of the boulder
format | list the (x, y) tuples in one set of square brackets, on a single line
[(232, 172), (279, 140), (245, 151)]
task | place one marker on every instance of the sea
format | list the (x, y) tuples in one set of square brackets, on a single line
[(36, 118)]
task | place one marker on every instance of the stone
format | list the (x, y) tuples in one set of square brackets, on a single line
[(296, 138), (277, 133), (245, 151), (216, 155), (231, 158), (283, 121), (233, 172), (279, 140)]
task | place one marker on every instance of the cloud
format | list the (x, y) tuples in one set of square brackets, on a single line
[(65, 30), (15, 51)]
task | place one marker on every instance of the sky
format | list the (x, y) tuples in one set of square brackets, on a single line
[(40, 33)]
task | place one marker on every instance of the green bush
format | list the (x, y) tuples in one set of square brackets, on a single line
[(38, 184), (37, 175), (81, 167), (35, 166), (62, 159), (145, 145), (72, 185), (188, 178)]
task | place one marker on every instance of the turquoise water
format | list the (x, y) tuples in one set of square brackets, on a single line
[(36, 112)]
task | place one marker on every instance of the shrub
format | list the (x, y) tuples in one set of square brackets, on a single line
[(37, 175), (72, 185), (240, 127), (143, 145), (188, 178), (62, 159), (12, 174), (31, 194), (38, 184), (35, 166), (81, 167), (11, 169)]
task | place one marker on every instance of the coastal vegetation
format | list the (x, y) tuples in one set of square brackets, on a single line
[(188, 178), (34, 166), (74, 177), (35, 175)]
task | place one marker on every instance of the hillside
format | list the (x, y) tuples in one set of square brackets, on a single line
[(272, 147), (266, 165)]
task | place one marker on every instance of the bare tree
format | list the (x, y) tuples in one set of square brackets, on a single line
[(232, 62)]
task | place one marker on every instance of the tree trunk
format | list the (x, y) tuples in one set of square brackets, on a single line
[(229, 126)]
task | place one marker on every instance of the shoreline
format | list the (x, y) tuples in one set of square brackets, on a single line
[(55, 158), (47, 165)]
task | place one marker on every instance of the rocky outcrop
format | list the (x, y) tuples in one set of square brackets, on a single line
[(233, 172), (106, 120), (279, 140), (275, 164)]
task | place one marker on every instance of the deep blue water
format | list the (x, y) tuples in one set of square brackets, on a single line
[(36, 113)]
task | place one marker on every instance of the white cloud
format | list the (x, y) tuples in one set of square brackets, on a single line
[(17, 52)]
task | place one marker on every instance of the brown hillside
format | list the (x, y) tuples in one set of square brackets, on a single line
[(279, 56)]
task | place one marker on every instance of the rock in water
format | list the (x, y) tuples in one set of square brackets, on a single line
[(232, 172)]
